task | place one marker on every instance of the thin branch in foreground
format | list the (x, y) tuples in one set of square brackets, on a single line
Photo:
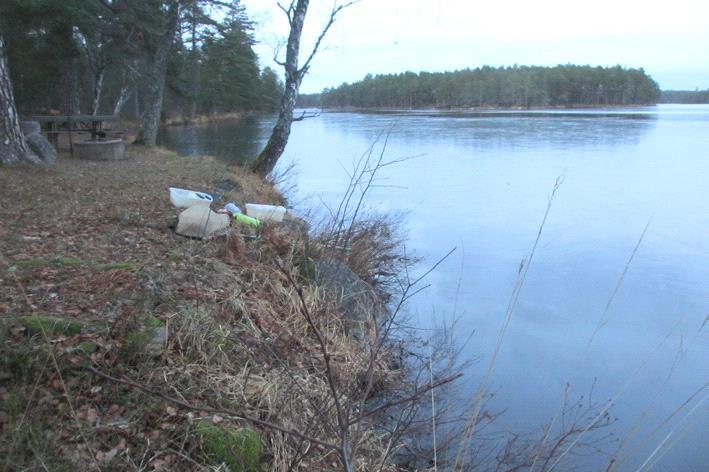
[(220, 410), (418, 393)]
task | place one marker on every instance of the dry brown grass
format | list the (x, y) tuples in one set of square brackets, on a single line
[(92, 242)]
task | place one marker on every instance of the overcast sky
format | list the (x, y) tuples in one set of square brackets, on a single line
[(669, 39)]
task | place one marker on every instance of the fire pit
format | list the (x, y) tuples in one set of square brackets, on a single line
[(100, 149)]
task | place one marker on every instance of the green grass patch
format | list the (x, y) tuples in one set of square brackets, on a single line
[(24, 442), (30, 263), (152, 322), (239, 449), (67, 261), (23, 363), (38, 324)]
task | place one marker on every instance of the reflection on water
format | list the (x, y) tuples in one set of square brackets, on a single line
[(481, 182), (236, 141)]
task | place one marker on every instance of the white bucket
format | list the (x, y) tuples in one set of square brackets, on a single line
[(182, 198), (266, 212)]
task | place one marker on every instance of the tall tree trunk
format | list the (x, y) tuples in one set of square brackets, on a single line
[(13, 148), (70, 102), (195, 67), (155, 79), (266, 161)]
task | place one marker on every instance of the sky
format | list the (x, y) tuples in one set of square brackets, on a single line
[(670, 40)]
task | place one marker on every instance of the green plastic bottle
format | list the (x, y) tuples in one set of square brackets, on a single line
[(247, 220)]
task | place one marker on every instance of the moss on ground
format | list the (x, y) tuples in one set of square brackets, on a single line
[(39, 325), (88, 346), (239, 449)]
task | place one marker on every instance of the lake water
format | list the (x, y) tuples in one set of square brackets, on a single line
[(481, 183)]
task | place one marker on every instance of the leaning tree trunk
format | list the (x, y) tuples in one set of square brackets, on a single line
[(122, 99), (268, 158), (13, 148), (154, 88), (266, 161), (98, 89)]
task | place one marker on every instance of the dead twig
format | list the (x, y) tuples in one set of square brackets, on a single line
[(219, 410)]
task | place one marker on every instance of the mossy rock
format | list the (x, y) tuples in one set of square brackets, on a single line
[(239, 449), (38, 324)]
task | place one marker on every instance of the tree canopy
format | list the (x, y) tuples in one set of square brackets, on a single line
[(99, 52), (516, 86)]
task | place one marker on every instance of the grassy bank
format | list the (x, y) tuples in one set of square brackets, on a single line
[(127, 347), (180, 120)]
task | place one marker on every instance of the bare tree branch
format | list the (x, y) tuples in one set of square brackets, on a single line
[(219, 410), (418, 392), (335, 10)]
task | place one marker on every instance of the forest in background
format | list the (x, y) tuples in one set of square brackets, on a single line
[(79, 57), (501, 87), (684, 96)]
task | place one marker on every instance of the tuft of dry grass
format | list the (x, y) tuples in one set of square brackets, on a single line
[(258, 345)]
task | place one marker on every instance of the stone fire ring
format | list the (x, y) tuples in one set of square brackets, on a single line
[(100, 150)]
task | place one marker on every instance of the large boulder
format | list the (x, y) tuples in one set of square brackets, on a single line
[(37, 143), (201, 222), (357, 301)]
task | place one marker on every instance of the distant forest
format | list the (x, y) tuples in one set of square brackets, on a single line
[(684, 96), (502, 87)]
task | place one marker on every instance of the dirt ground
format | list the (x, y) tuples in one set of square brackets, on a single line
[(96, 290), (74, 236)]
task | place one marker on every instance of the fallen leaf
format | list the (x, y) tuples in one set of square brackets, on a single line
[(110, 455), (92, 416)]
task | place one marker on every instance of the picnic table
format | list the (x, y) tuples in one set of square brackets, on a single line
[(54, 125)]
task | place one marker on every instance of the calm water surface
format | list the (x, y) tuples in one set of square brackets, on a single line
[(481, 183)]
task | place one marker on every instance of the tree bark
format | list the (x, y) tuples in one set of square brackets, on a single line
[(155, 79), (13, 148)]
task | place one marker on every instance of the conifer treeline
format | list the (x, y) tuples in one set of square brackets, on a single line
[(517, 86), (100, 53), (684, 96)]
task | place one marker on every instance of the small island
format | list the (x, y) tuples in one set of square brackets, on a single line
[(525, 87)]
